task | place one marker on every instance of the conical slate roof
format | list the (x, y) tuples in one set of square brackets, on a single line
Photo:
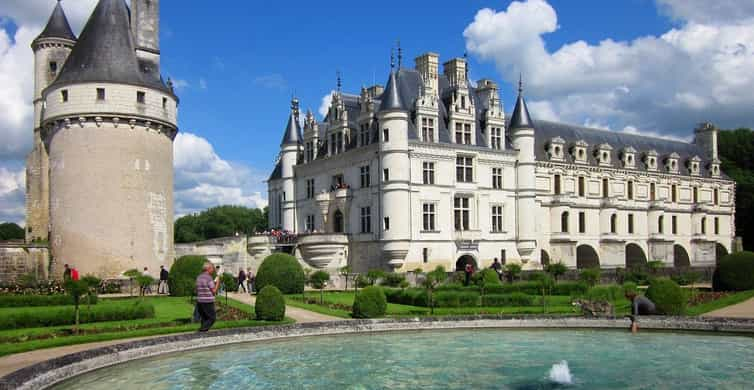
[(105, 51), (57, 26), (520, 118), (292, 131), (391, 98)]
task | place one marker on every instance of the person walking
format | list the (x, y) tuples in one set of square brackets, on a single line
[(206, 288), (468, 270), (162, 288), (498, 268), (250, 281), (221, 287), (66, 273), (74, 273), (241, 280), (146, 289)]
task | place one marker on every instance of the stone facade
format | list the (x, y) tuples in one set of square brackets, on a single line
[(17, 260), (430, 171), (229, 252)]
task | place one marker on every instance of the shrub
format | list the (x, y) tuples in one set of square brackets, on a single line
[(686, 278), (373, 275), (590, 276), (456, 299), (667, 296), (609, 293), (531, 288), (319, 280), (65, 315), (487, 278), (183, 274), (513, 270), (230, 284), (270, 304), (556, 269), (282, 271), (392, 279), (735, 272), (569, 288), (513, 299), (38, 300), (369, 303), (361, 281), (637, 276), (629, 287)]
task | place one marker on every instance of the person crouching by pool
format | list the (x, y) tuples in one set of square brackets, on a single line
[(206, 288), (640, 305)]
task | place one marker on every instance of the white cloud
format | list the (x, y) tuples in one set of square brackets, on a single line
[(665, 84), (203, 179), (180, 84), (202, 83), (324, 107), (12, 187), (706, 11), (272, 81)]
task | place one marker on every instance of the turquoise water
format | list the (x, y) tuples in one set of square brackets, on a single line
[(458, 359)]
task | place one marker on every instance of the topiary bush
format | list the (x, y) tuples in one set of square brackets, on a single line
[(183, 274), (370, 302), (270, 304), (282, 271), (735, 272), (667, 296), (486, 277)]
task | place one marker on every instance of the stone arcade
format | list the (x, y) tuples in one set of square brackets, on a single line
[(430, 171)]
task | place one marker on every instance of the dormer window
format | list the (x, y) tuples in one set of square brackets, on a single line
[(715, 168), (693, 165), (650, 159), (628, 157), (671, 163), (555, 148), (579, 152), (603, 154)]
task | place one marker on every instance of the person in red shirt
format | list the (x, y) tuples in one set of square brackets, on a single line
[(74, 273)]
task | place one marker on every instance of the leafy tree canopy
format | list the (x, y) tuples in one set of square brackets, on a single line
[(221, 221), (736, 149), (11, 231)]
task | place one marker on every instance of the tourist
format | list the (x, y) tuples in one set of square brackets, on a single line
[(147, 288), (498, 268), (468, 270), (218, 273), (206, 288), (640, 305), (250, 281), (162, 288), (66, 273), (241, 280), (74, 273)]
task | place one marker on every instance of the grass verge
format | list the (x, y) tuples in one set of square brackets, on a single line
[(729, 300)]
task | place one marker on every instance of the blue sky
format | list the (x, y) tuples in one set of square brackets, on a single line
[(655, 67)]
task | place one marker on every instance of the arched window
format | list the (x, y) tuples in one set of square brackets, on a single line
[(704, 225), (614, 223), (564, 222), (660, 223)]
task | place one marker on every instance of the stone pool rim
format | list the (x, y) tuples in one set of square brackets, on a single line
[(54, 371)]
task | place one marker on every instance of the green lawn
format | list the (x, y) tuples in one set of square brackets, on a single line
[(172, 315), (720, 303)]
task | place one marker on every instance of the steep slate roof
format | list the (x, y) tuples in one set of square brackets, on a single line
[(292, 133), (105, 52), (57, 26), (391, 98), (409, 89)]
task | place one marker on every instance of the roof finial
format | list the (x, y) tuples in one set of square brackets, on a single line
[(520, 83), (400, 54), (392, 58), (340, 84)]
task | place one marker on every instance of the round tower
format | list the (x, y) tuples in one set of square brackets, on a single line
[(51, 49), (522, 128), (290, 148), (394, 175), (109, 125)]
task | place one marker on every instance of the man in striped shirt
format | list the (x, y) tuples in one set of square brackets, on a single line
[(206, 288)]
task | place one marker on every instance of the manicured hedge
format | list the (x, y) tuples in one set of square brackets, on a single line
[(183, 274), (369, 302), (512, 299), (41, 300), (65, 315), (735, 272), (456, 299), (609, 293), (282, 271), (667, 296), (409, 296), (270, 304)]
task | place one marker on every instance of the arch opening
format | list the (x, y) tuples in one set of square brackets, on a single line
[(720, 252), (544, 257), (463, 260), (586, 257), (680, 257), (635, 257)]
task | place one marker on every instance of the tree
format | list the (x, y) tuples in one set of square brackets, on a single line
[(132, 274), (373, 275), (556, 270), (736, 150), (655, 266), (345, 271), (92, 284), (319, 280), (11, 231), (590, 276), (431, 281), (144, 281), (221, 221), (513, 270), (76, 288)]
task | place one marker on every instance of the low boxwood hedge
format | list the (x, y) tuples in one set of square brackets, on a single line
[(456, 299), (65, 315), (41, 300), (512, 299)]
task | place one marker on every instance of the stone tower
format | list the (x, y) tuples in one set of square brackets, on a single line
[(51, 49), (108, 123), (394, 177), (290, 148), (522, 128)]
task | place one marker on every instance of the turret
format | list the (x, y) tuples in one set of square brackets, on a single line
[(522, 129), (394, 176), (51, 49), (705, 136), (145, 25), (290, 148)]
